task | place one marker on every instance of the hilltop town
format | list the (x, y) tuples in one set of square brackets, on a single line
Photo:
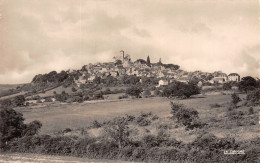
[(166, 73)]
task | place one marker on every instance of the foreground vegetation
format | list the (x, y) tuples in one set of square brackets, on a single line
[(145, 137)]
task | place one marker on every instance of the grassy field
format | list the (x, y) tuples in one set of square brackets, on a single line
[(59, 116)]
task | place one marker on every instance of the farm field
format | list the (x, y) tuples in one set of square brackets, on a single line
[(58, 116)]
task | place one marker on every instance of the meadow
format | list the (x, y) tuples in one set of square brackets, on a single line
[(59, 116), (153, 129)]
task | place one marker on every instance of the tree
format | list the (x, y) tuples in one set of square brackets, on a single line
[(148, 61), (141, 61), (11, 125), (118, 131), (118, 62), (179, 89), (247, 83), (19, 100), (134, 91)]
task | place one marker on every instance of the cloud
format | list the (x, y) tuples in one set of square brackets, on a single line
[(209, 35)]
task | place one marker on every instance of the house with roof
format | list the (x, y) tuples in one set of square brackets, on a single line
[(162, 83), (219, 77), (234, 77)]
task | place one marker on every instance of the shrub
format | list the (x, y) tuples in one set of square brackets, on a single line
[(147, 93), (96, 124), (11, 125), (142, 121), (118, 131), (19, 100), (39, 101), (251, 110), (123, 96), (253, 97), (247, 83), (179, 89), (32, 128), (48, 99), (235, 99), (85, 98), (107, 91), (186, 116), (157, 92), (227, 86), (73, 89), (216, 105), (134, 91)]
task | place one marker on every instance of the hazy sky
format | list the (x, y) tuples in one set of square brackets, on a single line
[(208, 35)]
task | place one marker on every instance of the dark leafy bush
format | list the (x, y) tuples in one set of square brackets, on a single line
[(254, 97), (251, 110), (48, 99), (134, 91), (227, 86), (73, 89), (147, 93), (32, 128), (186, 116), (179, 89), (123, 96), (235, 99), (96, 124)]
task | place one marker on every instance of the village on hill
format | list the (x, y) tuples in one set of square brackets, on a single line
[(166, 73)]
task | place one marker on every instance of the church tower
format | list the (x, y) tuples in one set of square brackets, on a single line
[(123, 55)]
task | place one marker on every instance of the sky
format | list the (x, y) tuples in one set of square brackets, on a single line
[(208, 35)]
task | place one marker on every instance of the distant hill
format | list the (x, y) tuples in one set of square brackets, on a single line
[(4, 87)]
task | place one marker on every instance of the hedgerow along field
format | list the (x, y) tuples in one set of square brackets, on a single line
[(57, 116)]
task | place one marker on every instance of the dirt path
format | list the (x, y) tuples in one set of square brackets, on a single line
[(37, 158)]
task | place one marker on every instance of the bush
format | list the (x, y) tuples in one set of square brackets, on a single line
[(96, 124), (32, 128), (216, 105), (147, 93), (251, 110), (227, 86), (19, 100), (253, 97), (108, 91), (118, 131), (186, 116), (48, 99), (73, 89), (123, 96), (247, 83), (134, 91), (38, 101), (179, 89), (12, 126), (157, 92), (235, 99)]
